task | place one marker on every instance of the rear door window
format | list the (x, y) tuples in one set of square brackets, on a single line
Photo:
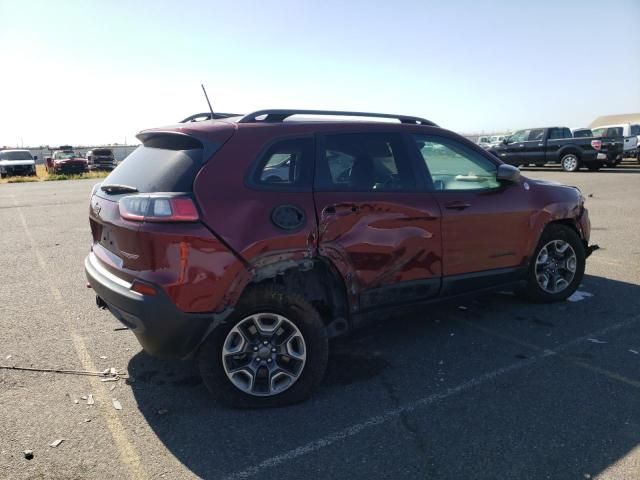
[(634, 130), (364, 162), (536, 135), (614, 132)]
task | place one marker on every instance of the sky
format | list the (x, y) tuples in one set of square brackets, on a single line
[(93, 72)]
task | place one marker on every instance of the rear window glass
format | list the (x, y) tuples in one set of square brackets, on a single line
[(614, 132), (164, 163), (635, 130), (102, 151), (582, 133)]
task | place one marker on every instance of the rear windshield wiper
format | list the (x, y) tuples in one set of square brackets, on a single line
[(115, 188)]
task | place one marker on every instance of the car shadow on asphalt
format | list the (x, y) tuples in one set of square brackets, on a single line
[(213, 441)]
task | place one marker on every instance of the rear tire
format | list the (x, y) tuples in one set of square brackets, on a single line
[(255, 382), (557, 265), (570, 162)]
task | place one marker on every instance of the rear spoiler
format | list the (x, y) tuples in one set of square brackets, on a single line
[(201, 117)]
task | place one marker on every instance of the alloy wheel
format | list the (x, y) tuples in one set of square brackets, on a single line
[(556, 266), (570, 163), (264, 354)]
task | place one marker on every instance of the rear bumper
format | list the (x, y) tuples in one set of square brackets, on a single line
[(160, 327), (99, 166)]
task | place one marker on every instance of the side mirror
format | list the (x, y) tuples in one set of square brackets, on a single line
[(35, 157), (508, 173)]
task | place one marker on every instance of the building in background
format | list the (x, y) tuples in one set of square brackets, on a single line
[(615, 119)]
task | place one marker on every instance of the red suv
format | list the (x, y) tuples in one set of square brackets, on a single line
[(250, 241)]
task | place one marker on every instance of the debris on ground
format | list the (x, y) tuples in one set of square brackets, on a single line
[(103, 357), (90, 400), (116, 404), (83, 397), (579, 295), (462, 307), (117, 329), (28, 454), (108, 372), (87, 420), (7, 357), (635, 352), (56, 443), (110, 379), (112, 388), (163, 411), (595, 340)]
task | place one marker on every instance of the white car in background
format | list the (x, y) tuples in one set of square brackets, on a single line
[(630, 132), (496, 140), (484, 141), (17, 163)]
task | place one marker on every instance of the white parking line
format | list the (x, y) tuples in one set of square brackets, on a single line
[(423, 402), (128, 454)]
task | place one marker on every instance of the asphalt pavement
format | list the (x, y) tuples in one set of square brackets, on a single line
[(499, 389)]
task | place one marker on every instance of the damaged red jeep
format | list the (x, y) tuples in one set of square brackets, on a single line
[(250, 241)]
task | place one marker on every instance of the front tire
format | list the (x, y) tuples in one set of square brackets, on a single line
[(272, 352), (557, 265), (570, 162)]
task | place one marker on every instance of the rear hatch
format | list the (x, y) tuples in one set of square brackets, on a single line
[(102, 155), (165, 165)]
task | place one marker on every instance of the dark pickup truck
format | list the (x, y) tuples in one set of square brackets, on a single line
[(539, 146)]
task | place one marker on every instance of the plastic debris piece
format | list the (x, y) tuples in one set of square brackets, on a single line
[(7, 358), (83, 397), (113, 371), (595, 340), (75, 400), (117, 329), (28, 454), (56, 443), (579, 295), (87, 420), (635, 352), (103, 357), (462, 307), (163, 411), (110, 379), (90, 400), (116, 404)]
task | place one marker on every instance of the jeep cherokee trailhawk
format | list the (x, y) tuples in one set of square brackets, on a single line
[(250, 241)]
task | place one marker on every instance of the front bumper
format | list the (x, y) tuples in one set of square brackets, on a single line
[(160, 327), (18, 170)]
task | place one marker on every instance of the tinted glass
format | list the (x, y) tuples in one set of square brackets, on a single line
[(614, 132), (567, 133), (536, 135), (599, 132), (454, 166), (582, 133), (635, 130), (285, 162), (364, 163), (164, 163), (555, 133)]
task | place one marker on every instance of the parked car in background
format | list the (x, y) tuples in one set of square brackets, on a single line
[(17, 163), (369, 216), (484, 141), (101, 159), (611, 148), (628, 131), (539, 146), (66, 160)]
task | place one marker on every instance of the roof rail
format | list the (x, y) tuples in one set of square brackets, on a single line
[(281, 115), (201, 117)]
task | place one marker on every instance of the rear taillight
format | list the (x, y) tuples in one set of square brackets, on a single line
[(596, 144), (158, 208)]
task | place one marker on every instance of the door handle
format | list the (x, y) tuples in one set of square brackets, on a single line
[(343, 209), (457, 205)]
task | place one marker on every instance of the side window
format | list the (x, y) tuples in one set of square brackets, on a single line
[(364, 163), (567, 133), (598, 132), (519, 136), (555, 133), (635, 130), (454, 166), (614, 132), (286, 163), (536, 135)]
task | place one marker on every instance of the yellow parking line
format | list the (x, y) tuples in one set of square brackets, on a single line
[(128, 453)]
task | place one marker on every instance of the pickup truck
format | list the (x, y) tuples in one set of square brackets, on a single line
[(66, 160), (101, 159), (17, 162), (539, 146)]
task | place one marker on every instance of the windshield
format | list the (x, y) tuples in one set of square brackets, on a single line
[(63, 155), (21, 155)]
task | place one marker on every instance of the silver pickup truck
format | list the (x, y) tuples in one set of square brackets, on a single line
[(17, 163)]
